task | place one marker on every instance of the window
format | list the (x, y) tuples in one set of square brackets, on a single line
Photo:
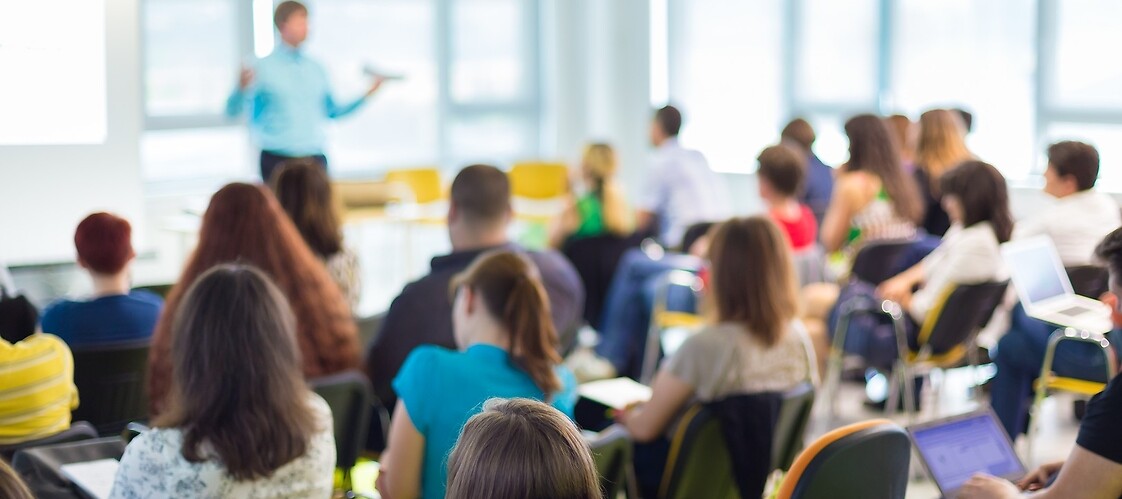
[(838, 51), (1086, 73)]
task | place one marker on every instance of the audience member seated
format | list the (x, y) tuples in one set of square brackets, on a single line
[(304, 191), (873, 199), (755, 345), (518, 449), (502, 324), (1079, 218), (903, 131), (11, 486), (602, 208), (941, 146), (37, 389), (1094, 467), (114, 314), (975, 197), (245, 224), (630, 298), (478, 216), (781, 175), (681, 189), (819, 176), (239, 420)]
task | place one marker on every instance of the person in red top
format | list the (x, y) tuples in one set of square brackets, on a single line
[(781, 176)]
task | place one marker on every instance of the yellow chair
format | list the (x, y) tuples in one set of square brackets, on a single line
[(1049, 381), (539, 180), (425, 183)]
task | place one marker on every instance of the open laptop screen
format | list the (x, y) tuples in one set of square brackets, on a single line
[(1035, 269), (956, 449)]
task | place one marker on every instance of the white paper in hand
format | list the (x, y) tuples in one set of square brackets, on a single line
[(93, 477), (618, 393)]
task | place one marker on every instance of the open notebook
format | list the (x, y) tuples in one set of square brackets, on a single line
[(95, 478), (618, 393)]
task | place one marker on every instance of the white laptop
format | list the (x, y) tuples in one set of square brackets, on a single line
[(1044, 289), (954, 449)]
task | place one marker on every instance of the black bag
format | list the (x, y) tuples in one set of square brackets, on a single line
[(18, 317)]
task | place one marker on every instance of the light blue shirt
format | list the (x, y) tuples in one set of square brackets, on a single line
[(442, 389), (289, 101), (682, 190)]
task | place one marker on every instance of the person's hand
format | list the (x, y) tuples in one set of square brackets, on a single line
[(983, 486), (895, 289), (1039, 477), (375, 85), (245, 78), (380, 483), (622, 415)]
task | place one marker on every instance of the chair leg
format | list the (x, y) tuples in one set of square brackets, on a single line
[(832, 383), (894, 382)]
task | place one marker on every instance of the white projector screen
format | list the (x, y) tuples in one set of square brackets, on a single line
[(52, 72)]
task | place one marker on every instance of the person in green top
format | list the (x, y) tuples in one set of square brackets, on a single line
[(601, 208)]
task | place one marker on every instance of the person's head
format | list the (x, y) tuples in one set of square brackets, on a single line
[(1109, 252), (598, 166), (781, 173), (291, 20), (1072, 167), (975, 192), (872, 150), (480, 206), (800, 133), (942, 142), (11, 485), (519, 449), (304, 191), (237, 385), (666, 125), (753, 278), (500, 299), (104, 244), (902, 130)]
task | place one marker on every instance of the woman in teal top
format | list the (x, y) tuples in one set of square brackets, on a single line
[(603, 208), (501, 321)]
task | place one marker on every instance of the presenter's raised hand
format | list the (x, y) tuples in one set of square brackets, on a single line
[(245, 78)]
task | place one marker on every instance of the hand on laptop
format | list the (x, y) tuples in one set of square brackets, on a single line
[(983, 486), (1040, 477)]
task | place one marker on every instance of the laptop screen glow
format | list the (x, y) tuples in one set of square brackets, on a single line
[(1035, 272), (958, 449)]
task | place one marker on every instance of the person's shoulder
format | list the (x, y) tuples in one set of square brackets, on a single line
[(146, 297), (429, 357), (56, 310)]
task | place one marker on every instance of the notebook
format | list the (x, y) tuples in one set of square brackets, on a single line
[(1044, 289), (953, 449), (95, 478), (617, 393)]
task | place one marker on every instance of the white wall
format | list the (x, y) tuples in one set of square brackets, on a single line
[(46, 190)]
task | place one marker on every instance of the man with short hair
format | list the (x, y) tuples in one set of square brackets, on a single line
[(681, 190), (478, 216), (115, 313), (289, 96), (819, 183)]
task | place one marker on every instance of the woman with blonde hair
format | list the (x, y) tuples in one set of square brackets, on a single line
[(940, 147), (245, 224), (501, 322), (519, 449), (603, 208), (754, 342)]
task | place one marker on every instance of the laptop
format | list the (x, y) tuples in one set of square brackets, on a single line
[(953, 449), (1044, 289)]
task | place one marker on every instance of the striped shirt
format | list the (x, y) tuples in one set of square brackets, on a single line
[(37, 389)]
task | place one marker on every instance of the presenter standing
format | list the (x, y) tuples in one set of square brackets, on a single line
[(289, 96)]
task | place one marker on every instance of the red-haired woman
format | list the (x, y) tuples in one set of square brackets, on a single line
[(245, 224)]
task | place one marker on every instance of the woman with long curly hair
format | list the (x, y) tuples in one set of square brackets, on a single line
[(245, 224)]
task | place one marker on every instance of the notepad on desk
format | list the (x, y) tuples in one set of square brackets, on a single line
[(95, 478), (617, 393)]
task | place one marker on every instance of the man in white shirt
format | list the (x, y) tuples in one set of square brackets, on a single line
[(1081, 216), (681, 190)]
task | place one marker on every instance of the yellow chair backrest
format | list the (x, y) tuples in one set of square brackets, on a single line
[(539, 180), (424, 182)]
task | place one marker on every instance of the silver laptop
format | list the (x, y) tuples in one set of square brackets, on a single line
[(1044, 289), (954, 449)]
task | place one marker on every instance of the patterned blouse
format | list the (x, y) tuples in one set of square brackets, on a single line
[(345, 271), (154, 466)]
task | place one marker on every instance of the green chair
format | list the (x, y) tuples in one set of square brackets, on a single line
[(867, 460), (612, 449), (112, 384), (699, 464)]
